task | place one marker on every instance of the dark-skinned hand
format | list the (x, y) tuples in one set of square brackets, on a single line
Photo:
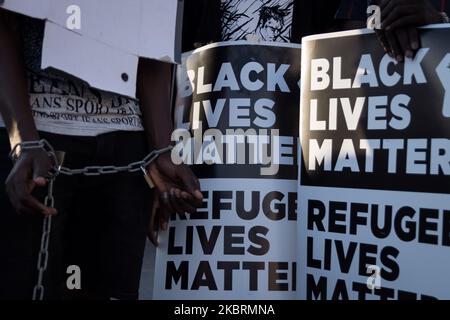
[(399, 21), (29, 172), (177, 191)]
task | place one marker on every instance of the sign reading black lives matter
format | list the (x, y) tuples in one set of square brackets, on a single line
[(237, 118), (374, 186)]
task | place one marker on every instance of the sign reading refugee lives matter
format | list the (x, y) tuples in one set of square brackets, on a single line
[(237, 117), (374, 199)]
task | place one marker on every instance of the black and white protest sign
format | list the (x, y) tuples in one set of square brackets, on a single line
[(374, 218), (237, 117)]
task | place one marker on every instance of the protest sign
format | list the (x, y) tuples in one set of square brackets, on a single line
[(374, 218), (237, 118)]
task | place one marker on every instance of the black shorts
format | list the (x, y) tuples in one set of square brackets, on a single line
[(101, 224)]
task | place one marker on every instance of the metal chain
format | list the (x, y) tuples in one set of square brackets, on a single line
[(104, 170), (38, 291), (89, 170), (30, 145)]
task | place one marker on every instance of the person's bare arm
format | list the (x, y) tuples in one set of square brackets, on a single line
[(31, 166), (178, 186), (14, 102)]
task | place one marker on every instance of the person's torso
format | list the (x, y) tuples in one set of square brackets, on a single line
[(64, 105)]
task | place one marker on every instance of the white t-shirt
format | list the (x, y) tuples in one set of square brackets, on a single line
[(265, 20), (63, 105), (73, 108)]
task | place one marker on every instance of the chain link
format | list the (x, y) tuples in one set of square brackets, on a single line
[(89, 170), (42, 264), (30, 145), (38, 291), (104, 170)]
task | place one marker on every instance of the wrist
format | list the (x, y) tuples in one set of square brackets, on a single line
[(18, 135), (156, 144), (30, 147), (16, 141)]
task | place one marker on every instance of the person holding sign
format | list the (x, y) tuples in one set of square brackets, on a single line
[(242, 78), (96, 236), (398, 19), (376, 149)]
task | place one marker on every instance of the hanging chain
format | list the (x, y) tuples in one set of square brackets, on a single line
[(38, 291)]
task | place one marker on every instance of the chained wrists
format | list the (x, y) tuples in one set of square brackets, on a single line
[(21, 147), (17, 151)]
